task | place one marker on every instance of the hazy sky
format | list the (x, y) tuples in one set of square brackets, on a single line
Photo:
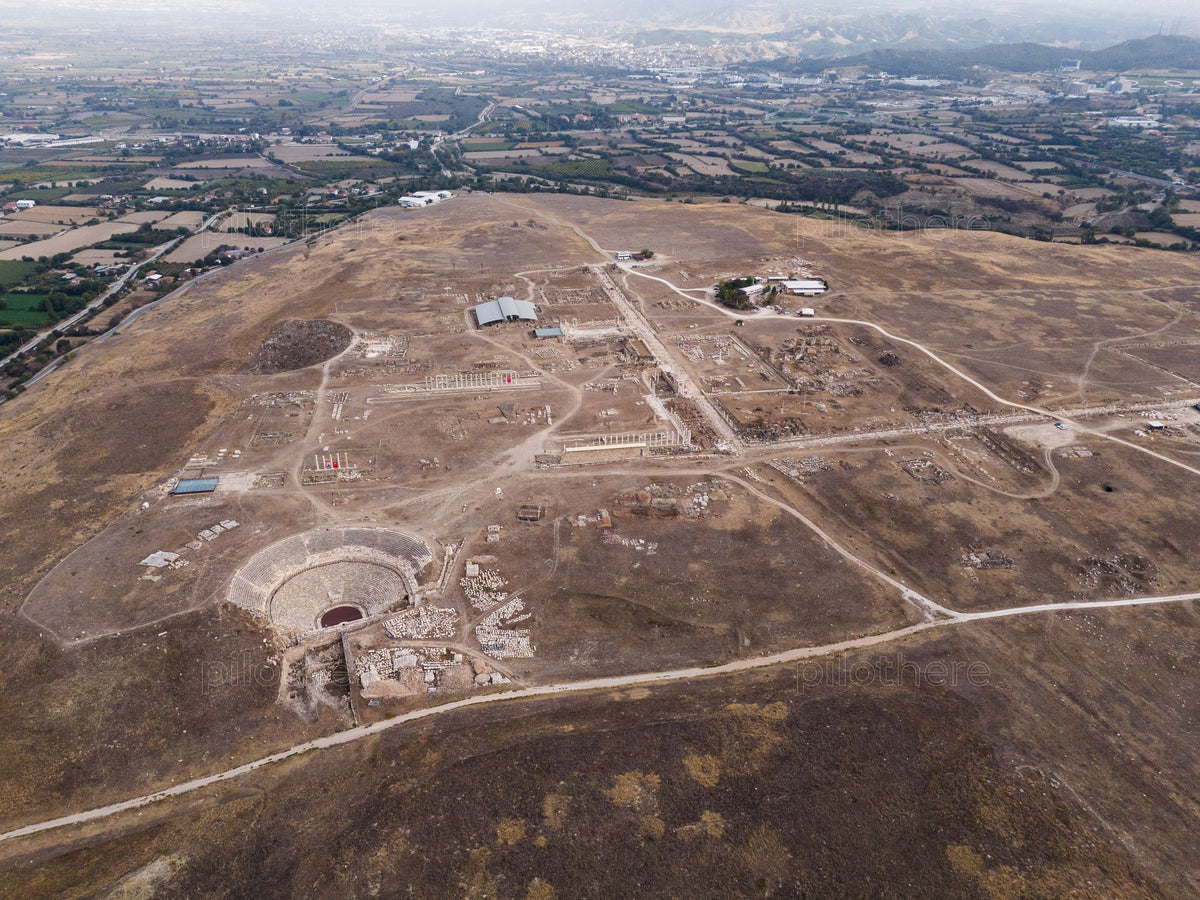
[(1102, 17), (653, 8)]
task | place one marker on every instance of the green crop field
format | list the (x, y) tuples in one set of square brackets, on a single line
[(24, 309), (748, 166), (627, 107), (581, 168), (14, 272), (41, 195), (60, 174)]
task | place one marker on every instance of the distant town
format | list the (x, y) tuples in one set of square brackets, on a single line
[(120, 180)]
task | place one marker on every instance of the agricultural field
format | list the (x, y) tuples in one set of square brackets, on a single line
[(172, 184), (703, 165), (582, 168), (12, 272), (484, 145), (71, 240), (299, 153), (247, 220), (23, 310), (748, 167), (198, 246), (55, 215), (502, 154), (27, 229)]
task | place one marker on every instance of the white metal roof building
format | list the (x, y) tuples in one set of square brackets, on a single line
[(417, 199), (806, 287), (506, 309)]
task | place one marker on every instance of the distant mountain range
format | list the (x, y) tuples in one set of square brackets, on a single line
[(825, 29), (1015, 34), (1157, 52)]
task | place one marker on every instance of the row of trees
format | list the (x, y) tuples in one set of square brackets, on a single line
[(731, 293)]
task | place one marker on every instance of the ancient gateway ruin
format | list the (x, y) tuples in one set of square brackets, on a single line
[(330, 576)]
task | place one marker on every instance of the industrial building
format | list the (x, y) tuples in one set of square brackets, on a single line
[(506, 309)]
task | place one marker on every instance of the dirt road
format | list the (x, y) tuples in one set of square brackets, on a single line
[(611, 683)]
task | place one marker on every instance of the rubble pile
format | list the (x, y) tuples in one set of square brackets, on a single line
[(161, 559), (1128, 573), (703, 493), (404, 671), (649, 547), (926, 471), (496, 636), (485, 589), (798, 469), (422, 623), (987, 559)]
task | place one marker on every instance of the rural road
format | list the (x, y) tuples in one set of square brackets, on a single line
[(924, 605), (484, 115), (610, 683), (99, 300), (69, 322), (991, 421)]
